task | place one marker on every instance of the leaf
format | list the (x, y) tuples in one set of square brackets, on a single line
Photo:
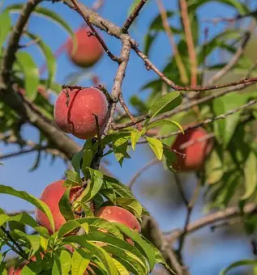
[(250, 175), (166, 103), (93, 186), (65, 261), (237, 264), (76, 160), (31, 74), (31, 199), (120, 147), (121, 268), (32, 240), (45, 13), (130, 204), (157, 147), (224, 128), (170, 158), (95, 250), (49, 56), (135, 136), (145, 248), (65, 206), (164, 122), (80, 261), (70, 226), (73, 178), (6, 24), (214, 168)]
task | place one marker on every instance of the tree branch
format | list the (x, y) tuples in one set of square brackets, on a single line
[(222, 215), (189, 41), (167, 28), (133, 16)]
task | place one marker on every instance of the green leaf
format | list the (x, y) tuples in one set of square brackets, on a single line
[(164, 122), (240, 7), (224, 128), (31, 74), (135, 136), (65, 261), (144, 247), (76, 160), (214, 168), (157, 147), (130, 204), (73, 178), (80, 261), (166, 103), (237, 264), (32, 240), (170, 158), (65, 206), (6, 24), (31, 199), (121, 268), (120, 147), (46, 13), (95, 250), (93, 186), (68, 227), (250, 174), (50, 58)]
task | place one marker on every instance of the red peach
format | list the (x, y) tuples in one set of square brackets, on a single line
[(195, 154), (75, 111), (87, 51), (51, 196), (120, 215)]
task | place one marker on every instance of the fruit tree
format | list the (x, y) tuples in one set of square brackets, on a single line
[(148, 111)]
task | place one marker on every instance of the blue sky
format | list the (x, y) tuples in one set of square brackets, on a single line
[(210, 257)]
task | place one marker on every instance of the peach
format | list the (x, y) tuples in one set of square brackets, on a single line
[(87, 51), (75, 111), (51, 196), (195, 154), (118, 214)]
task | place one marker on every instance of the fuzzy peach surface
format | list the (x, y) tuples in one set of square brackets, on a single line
[(75, 111)]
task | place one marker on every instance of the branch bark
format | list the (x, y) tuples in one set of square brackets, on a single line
[(222, 215)]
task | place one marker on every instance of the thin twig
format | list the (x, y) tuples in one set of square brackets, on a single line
[(141, 171), (235, 58), (189, 41), (222, 215), (94, 32), (189, 206), (30, 43), (168, 30), (18, 249), (126, 109), (184, 107), (116, 90), (205, 122), (133, 16), (194, 141)]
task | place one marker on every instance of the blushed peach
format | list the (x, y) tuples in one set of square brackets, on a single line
[(87, 51), (192, 157), (75, 111)]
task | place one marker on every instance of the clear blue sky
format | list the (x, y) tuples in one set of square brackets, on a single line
[(202, 259)]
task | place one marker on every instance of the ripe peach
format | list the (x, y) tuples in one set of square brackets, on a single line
[(87, 51), (118, 214), (51, 196), (195, 154), (75, 111)]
